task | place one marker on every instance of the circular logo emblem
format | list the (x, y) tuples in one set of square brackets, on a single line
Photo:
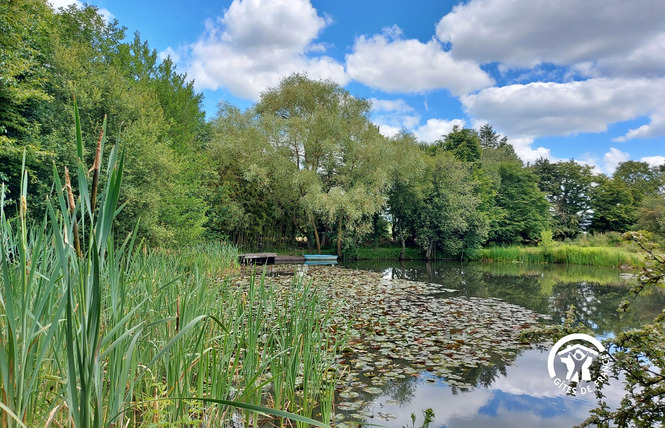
[(577, 358)]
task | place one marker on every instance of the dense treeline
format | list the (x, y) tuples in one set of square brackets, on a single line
[(304, 164), (48, 59)]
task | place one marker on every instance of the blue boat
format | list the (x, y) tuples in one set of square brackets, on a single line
[(320, 259)]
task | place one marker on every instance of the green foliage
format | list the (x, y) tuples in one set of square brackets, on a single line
[(447, 216), (463, 143), (612, 205), (24, 51), (489, 139), (428, 417), (546, 239), (309, 149), (650, 215), (568, 186), (104, 333), (76, 52), (388, 253), (525, 209), (640, 179)]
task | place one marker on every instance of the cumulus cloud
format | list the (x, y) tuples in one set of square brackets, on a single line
[(390, 63), (524, 33), (647, 60), (524, 149), (653, 160), (655, 128), (434, 129), (613, 158), (256, 43), (393, 115), (540, 109)]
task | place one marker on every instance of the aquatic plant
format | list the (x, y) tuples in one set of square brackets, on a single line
[(99, 332), (564, 254)]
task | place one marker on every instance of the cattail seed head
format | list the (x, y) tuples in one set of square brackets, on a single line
[(24, 207)]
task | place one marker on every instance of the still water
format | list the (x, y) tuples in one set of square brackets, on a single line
[(517, 391)]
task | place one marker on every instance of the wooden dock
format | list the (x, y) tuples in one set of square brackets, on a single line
[(257, 258), (268, 259)]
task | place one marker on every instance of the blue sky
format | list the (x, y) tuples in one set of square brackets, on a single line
[(582, 79)]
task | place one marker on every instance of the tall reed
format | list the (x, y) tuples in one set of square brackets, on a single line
[(96, 331), (564, 254)]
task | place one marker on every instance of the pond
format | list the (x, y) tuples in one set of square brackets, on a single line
[(511, 390)]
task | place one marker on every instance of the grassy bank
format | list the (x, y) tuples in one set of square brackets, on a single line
[(564, 254), (577, 253)]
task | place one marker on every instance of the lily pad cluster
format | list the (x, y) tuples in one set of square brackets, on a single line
[(398, 329)]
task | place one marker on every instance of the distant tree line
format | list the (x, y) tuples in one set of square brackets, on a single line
[(304, 162)]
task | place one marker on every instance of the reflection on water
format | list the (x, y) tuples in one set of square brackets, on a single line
[(509, 392)]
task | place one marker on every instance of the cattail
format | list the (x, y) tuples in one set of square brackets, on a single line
[(177, 314), (24, 207), (96, 166), (72, 205)]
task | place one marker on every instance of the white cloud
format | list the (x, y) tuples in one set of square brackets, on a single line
[(393, 64), (524, 33), (170, 52), (653, 160), (523, 148), (257, 43), (613, 158), (398, 105), (393, 115), (434, 129), (540, 109), (57, 4), (655, 128), (388, 130), (647, 60), (589, 159)]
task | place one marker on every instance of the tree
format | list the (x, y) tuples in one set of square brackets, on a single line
[(448, 216), (525, 209), (568, 187), (650, 215), (463, 143), (247, 193), (641, 179), (489, 139), (612, 204), (406, 189), (337, 155), (26, 53)]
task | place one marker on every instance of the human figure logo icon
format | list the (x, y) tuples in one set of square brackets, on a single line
[(577, 359)]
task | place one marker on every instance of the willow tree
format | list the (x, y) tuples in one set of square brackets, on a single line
[(449, 216), (338, 160)]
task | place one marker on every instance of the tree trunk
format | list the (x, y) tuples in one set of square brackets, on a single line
[(339, 236), (430, 249), (401, 237), (316, 235)]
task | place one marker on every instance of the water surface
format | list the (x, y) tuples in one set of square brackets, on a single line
[(514, 391)]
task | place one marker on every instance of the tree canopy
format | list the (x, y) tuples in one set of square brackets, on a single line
[(305, 163)]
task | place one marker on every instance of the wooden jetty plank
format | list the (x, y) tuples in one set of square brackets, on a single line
[(257, 258)]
